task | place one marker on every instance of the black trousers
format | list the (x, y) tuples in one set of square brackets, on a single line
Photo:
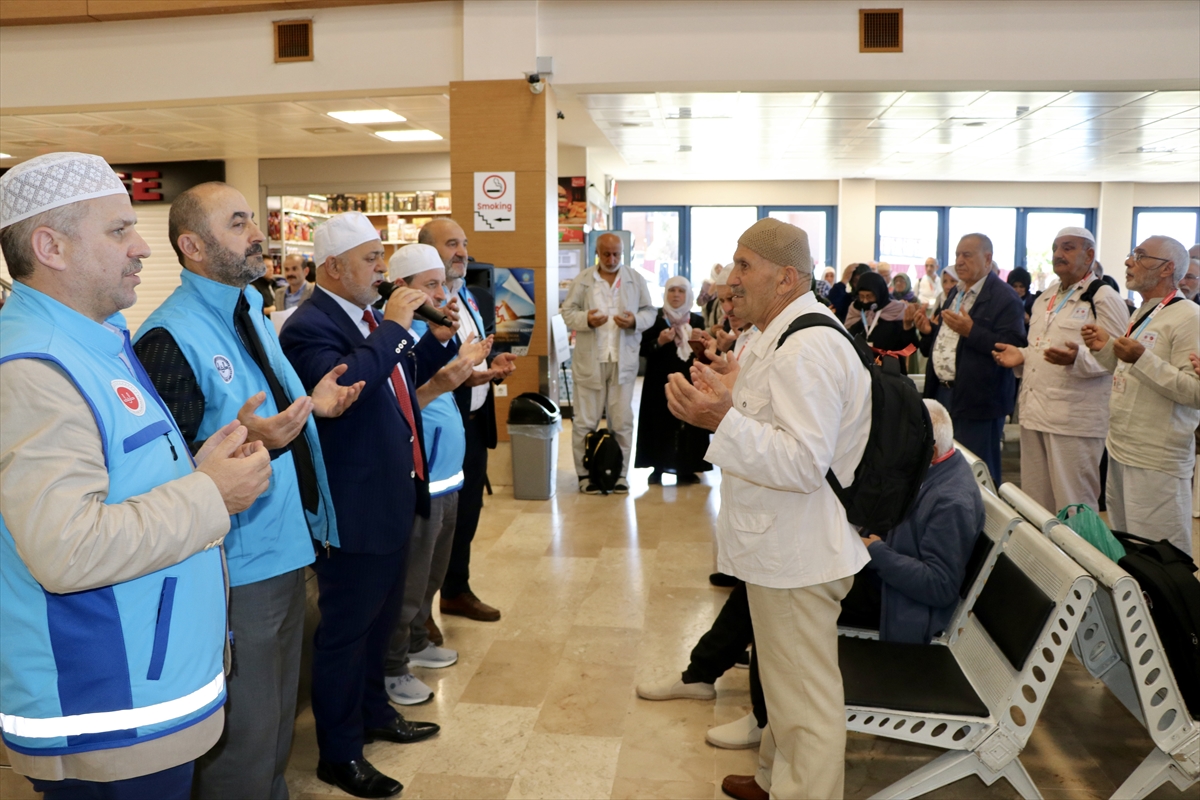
[(359, 598), (718, 649), (470, 504)]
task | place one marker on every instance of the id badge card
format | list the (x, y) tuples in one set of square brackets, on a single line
[(1040, 344), (1119, 383), (1080, 314), (1148, 339)]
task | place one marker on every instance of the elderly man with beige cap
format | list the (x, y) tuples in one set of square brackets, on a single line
[(796, 411), (1064, 390)]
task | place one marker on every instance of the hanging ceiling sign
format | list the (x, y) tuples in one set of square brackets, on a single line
[(495, 201)]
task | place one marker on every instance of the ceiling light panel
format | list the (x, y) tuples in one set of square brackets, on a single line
[(369, 116), (408, 136)]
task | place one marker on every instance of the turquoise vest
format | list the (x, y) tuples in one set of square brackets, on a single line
[(273, 535), (444, 437), (122, 664)]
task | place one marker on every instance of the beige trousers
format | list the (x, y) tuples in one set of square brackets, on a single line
[(1150, 504), (1058, 470), (803, 749)]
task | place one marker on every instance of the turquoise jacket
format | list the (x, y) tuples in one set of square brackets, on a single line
[(444, 436), (117, 665), (275, 534)]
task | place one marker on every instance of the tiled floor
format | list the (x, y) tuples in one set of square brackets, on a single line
[(599, 593)]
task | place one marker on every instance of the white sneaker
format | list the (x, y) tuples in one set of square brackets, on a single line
[(407, 690), (676, 689), (433, 657), (740, 734)]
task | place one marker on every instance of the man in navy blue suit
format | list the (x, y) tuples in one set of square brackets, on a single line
[(376, 468), (981, 312)]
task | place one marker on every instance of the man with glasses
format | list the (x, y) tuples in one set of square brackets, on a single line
[(1064, 390), (1155, 402)]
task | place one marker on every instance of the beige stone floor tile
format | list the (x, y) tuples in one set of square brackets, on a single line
[(632, 789), (665, 741), (587, 697), (427, 786), (513, 673), (566, 767), (683, 565), (14, 786), (603, 645), (481, 741)]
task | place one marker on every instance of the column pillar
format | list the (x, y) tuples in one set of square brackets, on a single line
[(501, 126), (1114, 228), (856, 220)]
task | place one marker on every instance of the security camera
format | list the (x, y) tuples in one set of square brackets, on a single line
[(536, 84)]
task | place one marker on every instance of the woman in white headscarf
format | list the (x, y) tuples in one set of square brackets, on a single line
[(665, 443)]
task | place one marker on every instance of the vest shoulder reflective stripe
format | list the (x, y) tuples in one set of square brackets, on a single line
[(445, 485)]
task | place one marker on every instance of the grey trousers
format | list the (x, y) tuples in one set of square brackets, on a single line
[(267, 619), (430, 544), (614, 401)]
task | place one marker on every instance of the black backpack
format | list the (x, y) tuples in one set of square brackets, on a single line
[(602, 459), (899, 447), (1173, 594)]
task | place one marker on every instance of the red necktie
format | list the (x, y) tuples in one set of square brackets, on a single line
[(401, 387)]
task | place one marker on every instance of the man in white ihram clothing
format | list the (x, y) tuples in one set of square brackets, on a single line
[(608, 306), (794, 412)]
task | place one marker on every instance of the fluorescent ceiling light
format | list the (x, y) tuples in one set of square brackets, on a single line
[(5, 155), (367, 116), (408, 136)]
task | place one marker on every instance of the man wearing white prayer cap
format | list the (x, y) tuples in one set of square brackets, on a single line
[(379, 480), (112, 626), (1064, 390), (420, 267), (213, 356)]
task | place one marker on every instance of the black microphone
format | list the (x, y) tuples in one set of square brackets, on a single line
[(426, 311)]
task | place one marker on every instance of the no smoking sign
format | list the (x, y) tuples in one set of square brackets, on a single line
[(495, 201)]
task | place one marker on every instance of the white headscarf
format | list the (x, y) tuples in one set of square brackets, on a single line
[(680, 318)]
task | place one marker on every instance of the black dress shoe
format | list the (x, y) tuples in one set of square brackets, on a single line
[(402, 731), (722, 580), (358, 778)]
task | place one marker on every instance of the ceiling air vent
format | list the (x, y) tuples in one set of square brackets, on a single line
[(881, 30), (293, 40)]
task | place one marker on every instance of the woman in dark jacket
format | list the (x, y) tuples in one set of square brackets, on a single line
[(664, 442), (879, 318)]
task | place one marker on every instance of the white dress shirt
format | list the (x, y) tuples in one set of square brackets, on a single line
[(466, 325), (607, 300), (945, 346), (797, 411)]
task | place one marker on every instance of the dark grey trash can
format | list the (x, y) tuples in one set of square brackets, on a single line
[(534, 422)]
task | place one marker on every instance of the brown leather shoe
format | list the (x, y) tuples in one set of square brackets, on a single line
[(469, 606), (743, 787), (435, 633)]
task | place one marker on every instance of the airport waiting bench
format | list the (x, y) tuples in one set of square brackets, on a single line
[(979, 694), (1118, 643)]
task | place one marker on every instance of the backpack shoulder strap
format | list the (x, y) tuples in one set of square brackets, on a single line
[(822, 321), (1089, 294)]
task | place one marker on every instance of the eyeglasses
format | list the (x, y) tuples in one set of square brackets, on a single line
[(1137, 257)]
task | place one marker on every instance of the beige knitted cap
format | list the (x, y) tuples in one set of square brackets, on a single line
[(779, 242)]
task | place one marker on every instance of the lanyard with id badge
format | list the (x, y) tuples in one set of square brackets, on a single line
[(1146, 340), (1079, 313)]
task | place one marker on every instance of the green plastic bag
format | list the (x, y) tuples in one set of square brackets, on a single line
[(1091, 528)]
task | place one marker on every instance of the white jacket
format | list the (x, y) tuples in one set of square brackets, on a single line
[(1070, 401), (797, 410), (635, 297)]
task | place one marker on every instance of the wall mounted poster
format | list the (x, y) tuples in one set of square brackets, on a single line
[(515, 311)]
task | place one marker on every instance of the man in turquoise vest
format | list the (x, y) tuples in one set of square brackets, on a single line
[(213, 355), (112, 596), (420, 267)]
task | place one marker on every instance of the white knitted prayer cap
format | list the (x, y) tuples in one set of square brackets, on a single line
[(52, 181), (1082, 233), (338, 234), (412, 259)]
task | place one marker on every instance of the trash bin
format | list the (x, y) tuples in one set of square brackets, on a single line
[(534, 422)]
